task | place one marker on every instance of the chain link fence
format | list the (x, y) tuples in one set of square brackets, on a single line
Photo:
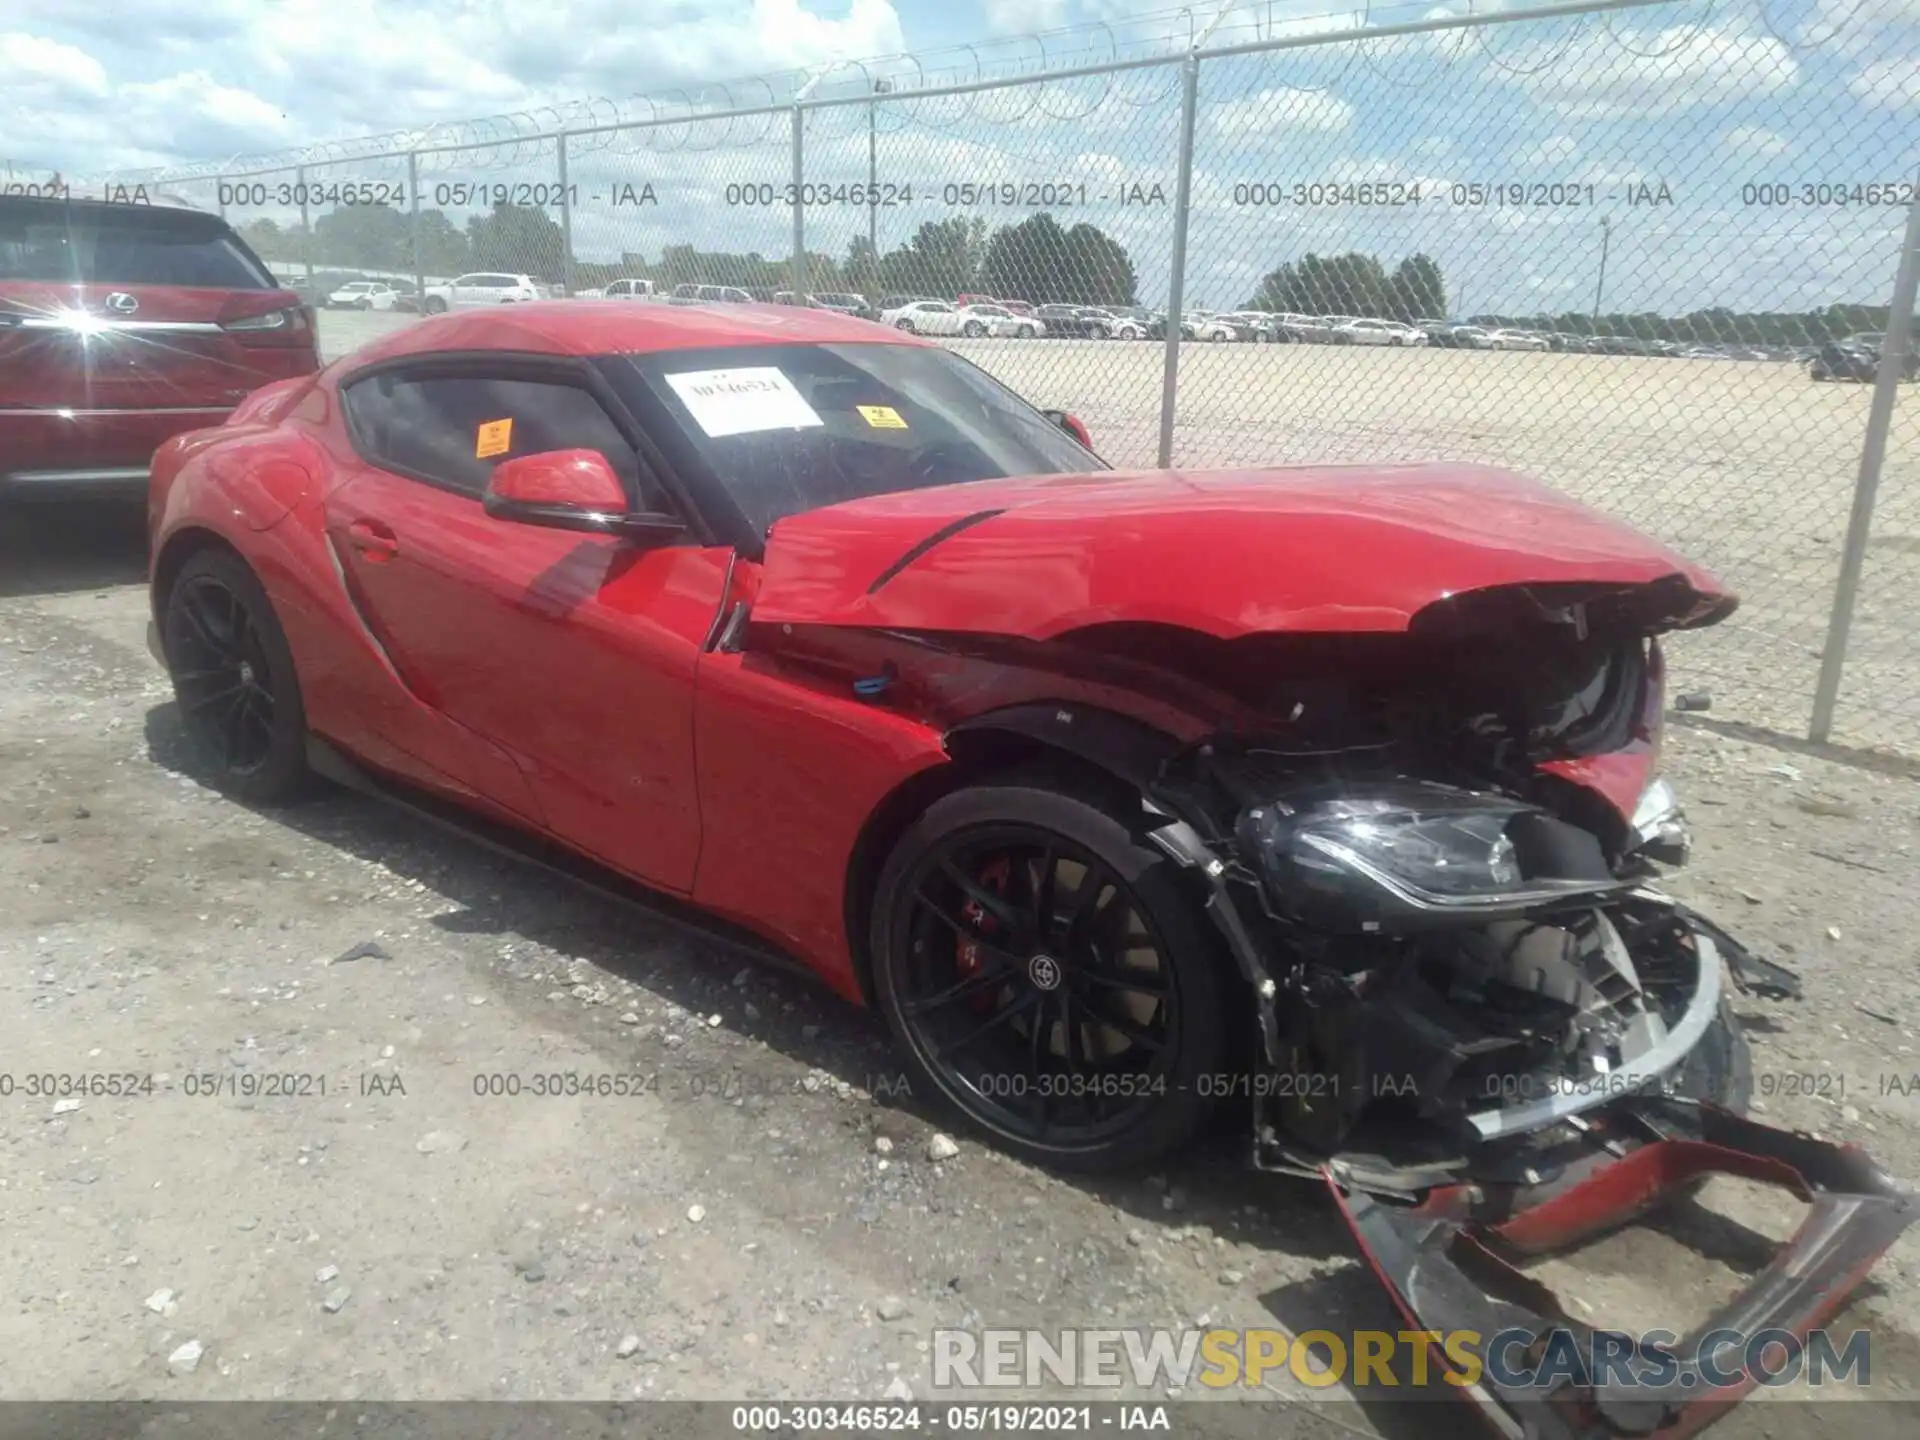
[(1650, 253)]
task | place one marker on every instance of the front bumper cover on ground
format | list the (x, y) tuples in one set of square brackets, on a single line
[(1444, 1269)]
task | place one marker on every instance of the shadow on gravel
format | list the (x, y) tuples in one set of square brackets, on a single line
[(1210, 1185), (53, 549)]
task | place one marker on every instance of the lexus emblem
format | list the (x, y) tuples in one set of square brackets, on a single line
[(122, 303), (1044, 971)]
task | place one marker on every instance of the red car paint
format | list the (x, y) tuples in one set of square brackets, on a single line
[(562, 682), (95, 374), (1227, 553)]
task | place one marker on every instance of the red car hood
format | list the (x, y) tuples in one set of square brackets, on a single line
[(1226, 552)]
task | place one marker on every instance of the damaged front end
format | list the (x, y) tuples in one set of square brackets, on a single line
[(1430, 842)]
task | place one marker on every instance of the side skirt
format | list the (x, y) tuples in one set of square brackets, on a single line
[(545, 855)]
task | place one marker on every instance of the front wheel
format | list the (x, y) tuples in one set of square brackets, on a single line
[(234, 679), (903, 324), (436, 306), (973, 330), (1047, 976)]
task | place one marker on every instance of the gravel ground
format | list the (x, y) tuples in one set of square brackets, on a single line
[(739, 1229)]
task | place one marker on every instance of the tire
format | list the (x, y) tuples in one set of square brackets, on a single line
[(1818, 372), (1027, 332), (973, 330), (435, 305), (995, 838), (220, 636), (364, 305), (904, 324)]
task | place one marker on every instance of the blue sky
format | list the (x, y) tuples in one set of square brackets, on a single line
[(1657, 122)]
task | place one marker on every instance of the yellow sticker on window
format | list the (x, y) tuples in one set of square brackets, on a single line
[(881, 417), (494, 438)]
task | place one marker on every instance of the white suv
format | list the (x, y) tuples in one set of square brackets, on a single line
[(483, 287)]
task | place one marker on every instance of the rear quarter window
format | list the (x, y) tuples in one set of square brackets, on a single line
[(123, 245)]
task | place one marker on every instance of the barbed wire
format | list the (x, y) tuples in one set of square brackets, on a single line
[(594, 121)]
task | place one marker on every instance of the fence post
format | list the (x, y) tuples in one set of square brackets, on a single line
[(419, 267), (306, 230), (1894, 350), (1176, 280), (566, 217), (799, 212)]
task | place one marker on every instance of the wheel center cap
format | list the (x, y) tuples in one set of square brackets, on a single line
[(1045, 972), (246, 673)]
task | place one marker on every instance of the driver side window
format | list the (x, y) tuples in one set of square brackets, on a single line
[(451, 431)]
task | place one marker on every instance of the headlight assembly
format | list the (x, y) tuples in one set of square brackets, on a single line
[(1402, 855)]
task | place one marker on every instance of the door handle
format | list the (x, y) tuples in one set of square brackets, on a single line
[(373, 540)]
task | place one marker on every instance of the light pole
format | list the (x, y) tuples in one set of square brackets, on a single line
[(1600, 285), (880, 87)]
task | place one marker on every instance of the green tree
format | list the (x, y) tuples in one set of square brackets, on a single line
[(518, 238), (269, 241), (943, 258), (372, 237), (443, 249), (1418, 291)]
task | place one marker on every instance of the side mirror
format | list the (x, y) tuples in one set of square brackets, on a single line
[(570, 490), (1072, 424)]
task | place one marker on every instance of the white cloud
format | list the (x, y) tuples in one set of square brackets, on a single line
[(32, 63), (1267, 111), (1754, 142), (191, 80), (1605, 77), (1545, 154), (1889, 84)]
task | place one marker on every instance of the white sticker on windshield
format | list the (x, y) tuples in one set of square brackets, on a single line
[(740, 402)]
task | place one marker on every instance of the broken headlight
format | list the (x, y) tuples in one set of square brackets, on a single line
[(1660, 829), (1406, 856)]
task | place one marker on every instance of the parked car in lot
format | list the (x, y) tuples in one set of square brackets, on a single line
[(1123, 325), (1079, 322), (927, 317), (1000, 322), (1857, 357), (481, 288), (370, 295), (1212, 328), (691, 294), (1510, 338), (120, 327), (800, 631), (1366, 331), (1157, 327), (846, 303), (1630, 345), (623, 289)]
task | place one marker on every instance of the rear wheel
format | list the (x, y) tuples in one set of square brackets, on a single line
[(1046, 976), (903, 324), (973, 330), (436, 306), (234, 679)]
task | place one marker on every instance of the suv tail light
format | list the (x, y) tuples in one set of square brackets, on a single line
[(270, 318)]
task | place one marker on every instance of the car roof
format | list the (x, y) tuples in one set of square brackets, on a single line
[(584, 327)]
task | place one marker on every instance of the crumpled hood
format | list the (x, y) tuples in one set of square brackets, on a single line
[(1225, 552)]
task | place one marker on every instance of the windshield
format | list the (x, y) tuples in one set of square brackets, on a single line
[(135, 245), (788, 428)]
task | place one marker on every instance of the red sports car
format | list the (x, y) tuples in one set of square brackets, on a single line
[(1325, 793)]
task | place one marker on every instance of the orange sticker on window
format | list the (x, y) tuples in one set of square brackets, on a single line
[(881, 417), (494, 438)]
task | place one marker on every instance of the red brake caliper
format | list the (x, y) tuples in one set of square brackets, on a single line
[(994, 879)]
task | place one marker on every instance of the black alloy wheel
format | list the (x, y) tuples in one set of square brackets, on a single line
[(1046, 976), (233, 677)]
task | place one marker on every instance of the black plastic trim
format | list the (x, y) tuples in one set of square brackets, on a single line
[(921, 547)]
